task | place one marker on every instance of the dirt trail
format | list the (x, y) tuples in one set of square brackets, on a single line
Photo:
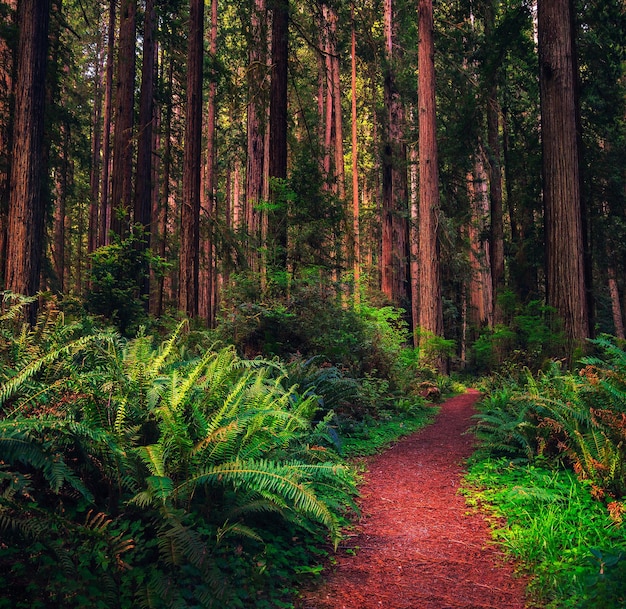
[(416, 545)]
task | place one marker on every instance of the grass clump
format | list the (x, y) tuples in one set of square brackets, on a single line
[(566, 540)]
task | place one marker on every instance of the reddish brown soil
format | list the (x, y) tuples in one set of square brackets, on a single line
[(416, 544)]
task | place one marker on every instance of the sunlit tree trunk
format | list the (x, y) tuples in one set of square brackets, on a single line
[(122, 174), (26, 200), (356, 245), (207, 295), (105, 188), (96, 150), (190, 214), (565, 270), (431, 314)]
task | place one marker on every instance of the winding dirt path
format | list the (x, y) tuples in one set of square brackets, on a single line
[(416, 545)]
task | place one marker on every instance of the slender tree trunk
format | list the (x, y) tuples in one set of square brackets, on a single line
[(145, 141), (207, 304), (414, 234), (277, 220), (495, 180), (190, 214), (60, 218), (480, 284), (26, 201), (565, 273), (105, 203), (121, 187), (431, 315), (256, 126), (616, 307), (96, 152), (356, 246)]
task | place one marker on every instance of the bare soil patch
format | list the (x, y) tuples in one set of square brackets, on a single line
[(416, 545)]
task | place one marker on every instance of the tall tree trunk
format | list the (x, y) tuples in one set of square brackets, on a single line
[(60, 218), (6, 111), (356, 246), (96, 151), (431, 314), (145, 140), (414, 233), (395, 254), (26, 201), (565, 273), (121, 187), (105, 203), (207, 295), (480, 284), (190, 213), (277, 219), (256, 126), (495, 180)]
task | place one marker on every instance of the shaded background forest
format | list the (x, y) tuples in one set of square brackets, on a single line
[(242, 160)]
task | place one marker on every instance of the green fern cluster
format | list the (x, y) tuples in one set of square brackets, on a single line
[(147, 473), (579, 419)]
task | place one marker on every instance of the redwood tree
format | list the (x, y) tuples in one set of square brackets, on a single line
[(565, 272), (121, 186), (190, 213), (277, 219), (26, 201), (431, 315)]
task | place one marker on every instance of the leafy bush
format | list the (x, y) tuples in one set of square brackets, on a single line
[(529, 335)]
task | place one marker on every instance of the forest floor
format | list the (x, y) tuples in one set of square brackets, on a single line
[(416, 544)]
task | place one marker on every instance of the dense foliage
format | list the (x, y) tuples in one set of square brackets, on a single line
[(171, 472), (552, 460)]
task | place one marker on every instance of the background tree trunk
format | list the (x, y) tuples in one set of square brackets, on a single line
[(190, 213), (121, 187), (277, 219)]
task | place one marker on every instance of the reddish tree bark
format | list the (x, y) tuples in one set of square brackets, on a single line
[(145, 140), (190, 212), (207, 297), (565, 269), (6, 90), (105, 187), (431, 315), (121, 186), (256, 126), (356, 246), (26, 201)]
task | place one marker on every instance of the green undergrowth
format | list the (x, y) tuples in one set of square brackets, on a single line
[(568, 543), (368, 437)]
